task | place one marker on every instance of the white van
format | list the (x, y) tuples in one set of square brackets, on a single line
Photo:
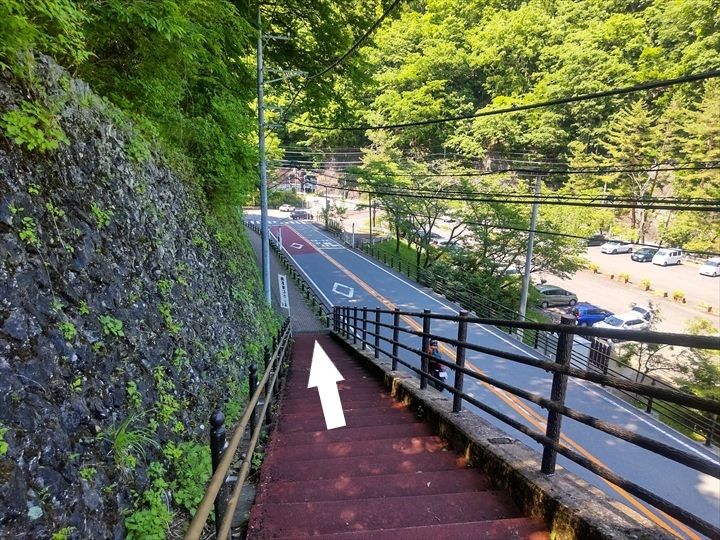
[(667, 256)]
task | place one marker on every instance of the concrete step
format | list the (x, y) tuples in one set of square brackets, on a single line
[(367, 487), (367, 386), (311, 398), (351, 403), (346, 467), (328, 517), (500, 529), (415, 429), (406, 446), (356, 418)]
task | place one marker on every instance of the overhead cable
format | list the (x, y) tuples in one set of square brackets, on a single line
[(601, 201), (664, 83)]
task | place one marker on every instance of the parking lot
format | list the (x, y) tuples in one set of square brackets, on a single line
[(617, 296), (683, 277)]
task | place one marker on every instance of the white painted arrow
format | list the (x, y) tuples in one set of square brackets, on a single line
[(325, 376)]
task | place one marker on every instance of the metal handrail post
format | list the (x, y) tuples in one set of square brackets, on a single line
[(355, 324), (648, 408), (424, 361), (268, 385), (396, 338), (460, 362), (252, 386), (711, 431), (377, 332), (217, 445), (364, 327), (557, 394)]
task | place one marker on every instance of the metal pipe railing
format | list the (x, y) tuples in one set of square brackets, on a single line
[(475, 301), (267, 385), (555, 406)]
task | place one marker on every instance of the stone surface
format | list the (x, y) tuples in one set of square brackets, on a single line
[(90, 239)]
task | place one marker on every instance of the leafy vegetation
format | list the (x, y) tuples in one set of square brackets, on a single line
[(111, 326), (3, 444)]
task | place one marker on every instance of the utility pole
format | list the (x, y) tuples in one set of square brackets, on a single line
[(264, 231), (327, 208), (371, 219), (529, 254)]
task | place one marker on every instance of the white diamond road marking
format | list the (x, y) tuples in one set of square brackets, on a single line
[(296, 245), (343, 290)]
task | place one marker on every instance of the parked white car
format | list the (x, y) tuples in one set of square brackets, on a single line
[(632, 320), (711, 267), (667, 256), (286, 208), (616, 246)]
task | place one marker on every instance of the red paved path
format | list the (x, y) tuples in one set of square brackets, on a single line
[(383, 476)]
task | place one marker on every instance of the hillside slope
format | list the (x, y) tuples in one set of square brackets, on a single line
[(128, 313)]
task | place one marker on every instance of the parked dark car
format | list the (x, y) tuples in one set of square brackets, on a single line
[(588, 314), (301, 214), (644, 254), (596, 240)]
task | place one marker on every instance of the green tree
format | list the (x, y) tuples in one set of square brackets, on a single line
[(700, 368)]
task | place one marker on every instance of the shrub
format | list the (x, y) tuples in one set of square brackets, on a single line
[(624, 276), (595, 267), (678, 296), (645, 283)]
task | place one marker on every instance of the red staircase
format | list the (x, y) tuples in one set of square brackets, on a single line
[(384, 475)]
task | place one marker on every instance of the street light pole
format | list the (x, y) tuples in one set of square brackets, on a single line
[(264, 231), (529, 253)]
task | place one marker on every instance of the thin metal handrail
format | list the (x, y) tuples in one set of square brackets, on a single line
[(667, 394), (347, 325), (218, 478), (607, 427)]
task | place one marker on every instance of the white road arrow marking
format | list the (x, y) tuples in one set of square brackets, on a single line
[(325, 376), (296, 245)]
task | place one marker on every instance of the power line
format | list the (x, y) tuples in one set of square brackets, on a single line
[(601, 201), (550, 233), (595, 197), (339, 60), (664, 83), (607, 169), (357, 44)]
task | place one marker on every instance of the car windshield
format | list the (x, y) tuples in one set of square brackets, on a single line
[(712, 263), (614, 321)]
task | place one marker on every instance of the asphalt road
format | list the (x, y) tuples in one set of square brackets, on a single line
[(346, 277)]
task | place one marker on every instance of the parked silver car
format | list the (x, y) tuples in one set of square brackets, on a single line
[(616, 246), (551, 295)]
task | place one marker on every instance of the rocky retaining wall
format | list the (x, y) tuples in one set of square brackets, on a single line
[(124, 321)]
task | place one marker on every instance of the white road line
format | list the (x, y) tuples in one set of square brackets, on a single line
[(300, 268), (533, 353), (482, 327), (644, 420)]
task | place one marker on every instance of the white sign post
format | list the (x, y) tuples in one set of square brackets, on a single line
[(280, 237), (284, 297), (353, 235)]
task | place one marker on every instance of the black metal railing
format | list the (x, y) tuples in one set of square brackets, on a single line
[(275, 363), (313, 300), (599, 351), (378, 329)]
